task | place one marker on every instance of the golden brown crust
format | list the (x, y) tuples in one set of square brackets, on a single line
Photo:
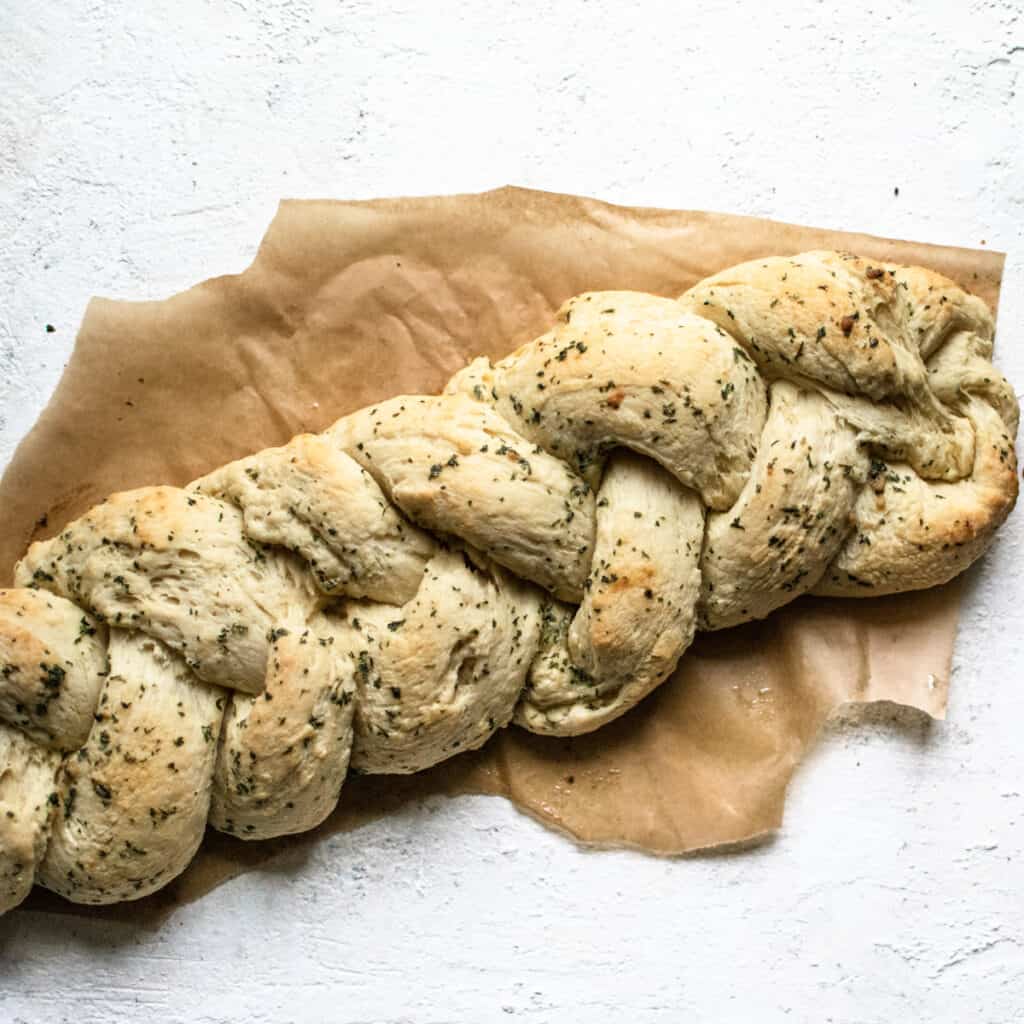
[(52, 657)]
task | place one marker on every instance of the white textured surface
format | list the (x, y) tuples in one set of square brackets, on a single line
[(141, 152)]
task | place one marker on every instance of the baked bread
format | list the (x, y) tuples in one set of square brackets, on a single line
[(537, 544)]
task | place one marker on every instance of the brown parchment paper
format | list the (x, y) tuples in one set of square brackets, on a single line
[(348, 303)]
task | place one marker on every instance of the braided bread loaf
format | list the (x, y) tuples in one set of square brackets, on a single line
[(537, 544)]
